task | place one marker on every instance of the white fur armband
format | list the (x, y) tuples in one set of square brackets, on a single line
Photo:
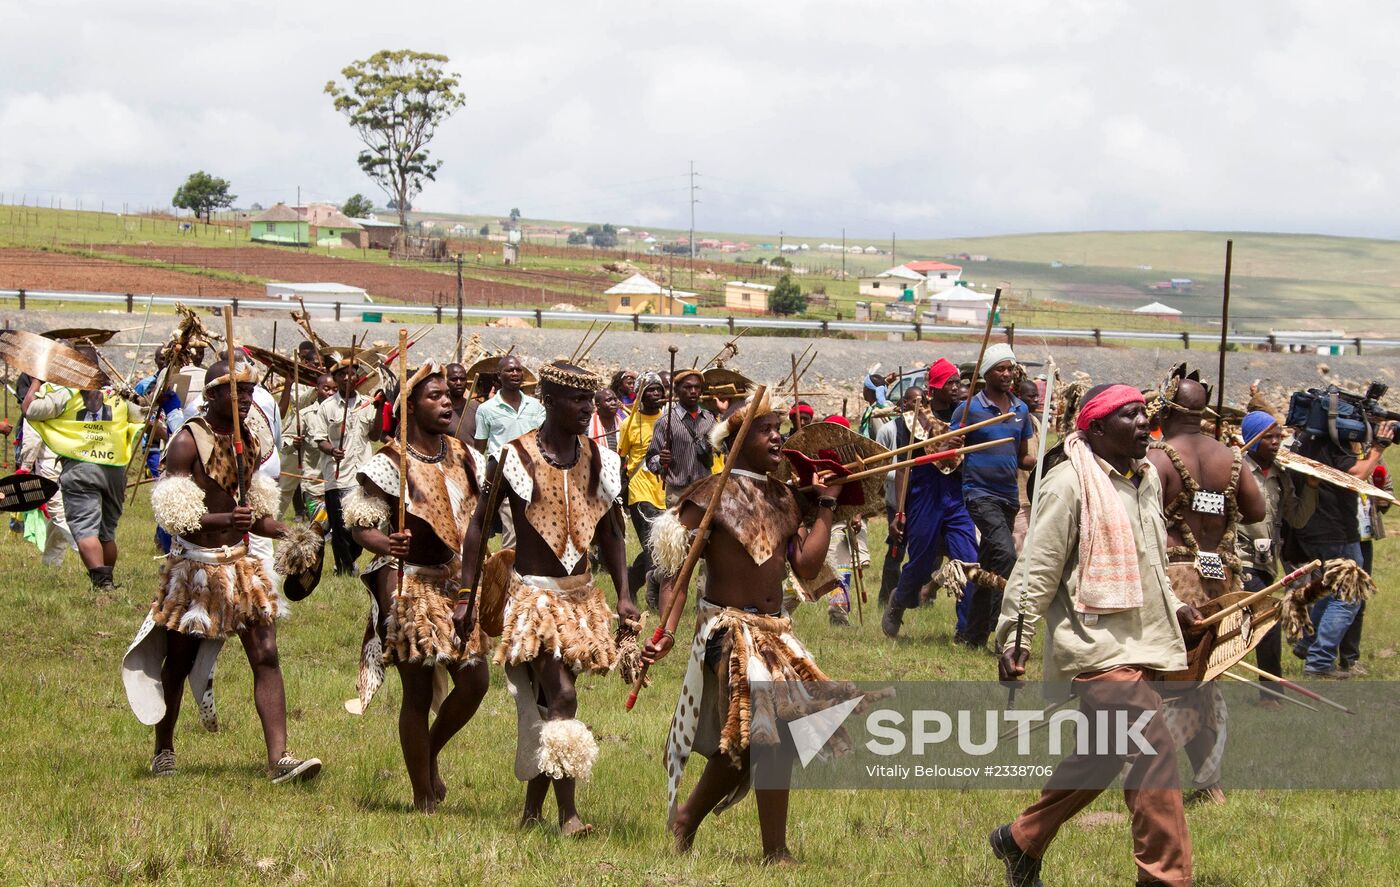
[(263, 496), (669, 543), (363, 510), (178, 504)]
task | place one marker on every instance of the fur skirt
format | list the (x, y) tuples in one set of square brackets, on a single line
[(566, 618), (418, 627), (215, 600)]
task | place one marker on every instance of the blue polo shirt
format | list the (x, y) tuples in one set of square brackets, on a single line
[(992, 472)]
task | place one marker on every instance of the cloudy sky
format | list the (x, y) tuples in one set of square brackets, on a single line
[(926, 118)]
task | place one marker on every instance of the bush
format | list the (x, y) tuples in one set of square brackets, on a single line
[(787, 297)]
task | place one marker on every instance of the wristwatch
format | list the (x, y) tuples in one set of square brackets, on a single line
[(827, 502)]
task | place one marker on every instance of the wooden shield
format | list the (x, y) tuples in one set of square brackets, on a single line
[(49, 360), (1240, 632), (283, 366), (25, 492)]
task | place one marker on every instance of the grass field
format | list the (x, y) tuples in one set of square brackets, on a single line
[(82, 809)]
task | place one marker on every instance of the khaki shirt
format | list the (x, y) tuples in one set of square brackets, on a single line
[(1281, 503), (361, 426), (1147, 636), (312, 429)]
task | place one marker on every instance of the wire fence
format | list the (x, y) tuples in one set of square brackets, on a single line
[(340, 310)]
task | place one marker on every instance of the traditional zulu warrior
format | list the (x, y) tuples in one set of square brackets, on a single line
[(413, 580), (560, 488), (210, 587), (1205, 496), (1094, 577), (742, 634)]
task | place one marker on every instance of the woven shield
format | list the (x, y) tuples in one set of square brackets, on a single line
[(1228, 641), (49, 360), (283, 366), (1327, 474), (827, 440)]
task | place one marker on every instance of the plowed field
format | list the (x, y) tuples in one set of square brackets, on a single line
[(38, 270)]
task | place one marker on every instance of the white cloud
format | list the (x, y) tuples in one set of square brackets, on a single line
[(925, 118)]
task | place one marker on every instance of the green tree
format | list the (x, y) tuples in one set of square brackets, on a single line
[(202, 194), (485, 230), (358, 206), (514, 215), (787, 297), (395, 100), (604, 236)]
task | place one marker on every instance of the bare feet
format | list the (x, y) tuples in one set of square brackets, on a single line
[(426, 804), (439, 787), (574, 827), (779, 857), (683, 831)]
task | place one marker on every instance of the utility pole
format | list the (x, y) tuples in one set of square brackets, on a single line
[(458, 358), (843, 253), (893, 260), (693, 201)]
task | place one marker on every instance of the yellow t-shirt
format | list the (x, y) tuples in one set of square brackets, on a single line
[(633, 438)]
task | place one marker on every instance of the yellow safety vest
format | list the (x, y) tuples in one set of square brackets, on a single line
[(102, 443)]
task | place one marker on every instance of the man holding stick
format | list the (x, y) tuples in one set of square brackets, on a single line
[(413, 579), (989, 481), (1095, 575), (346, 426), (561, 489), (756, 529), (936, 523), (211, 589), (1258, 545), (680, 451)]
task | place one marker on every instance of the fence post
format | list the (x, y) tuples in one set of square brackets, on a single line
[(128, 303), (1011, 334), (539, 318), (636, 322), (825, 329), (1273, 343), (1186, 341), (438, 310), (1098, 338), (731, 323), (1357, 340), (918, 331), (234, 301), (337, 312), (21, 298)]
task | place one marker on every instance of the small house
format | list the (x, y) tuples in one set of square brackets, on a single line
[(890, 285), (378, 234), (1157, 309), (323, 296), (279, 224), (337, 229), (958, 304), (640, 294), (744, 296), (938, 274)]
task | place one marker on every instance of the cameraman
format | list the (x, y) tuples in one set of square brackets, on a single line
[(1334, 532)]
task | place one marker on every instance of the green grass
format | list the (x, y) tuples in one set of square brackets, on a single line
[(81, 809)]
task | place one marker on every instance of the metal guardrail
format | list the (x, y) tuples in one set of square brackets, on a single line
[(443, 313)]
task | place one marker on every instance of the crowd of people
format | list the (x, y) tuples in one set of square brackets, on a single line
[(1140, 522)]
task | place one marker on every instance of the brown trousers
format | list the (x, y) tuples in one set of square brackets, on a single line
[(1161, 843)]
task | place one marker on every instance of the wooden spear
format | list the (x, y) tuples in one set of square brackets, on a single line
[(1224, 337), (403, 441), (345, 412), (1296, 688), (232, 354), (981, 352), (702, 532), (1262, 593)]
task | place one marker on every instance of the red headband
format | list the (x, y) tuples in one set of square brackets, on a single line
[(941, 371), (802, 408), (1105, 402), (838, 420)]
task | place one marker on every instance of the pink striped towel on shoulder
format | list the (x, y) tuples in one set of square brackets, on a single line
[(1108, 565)]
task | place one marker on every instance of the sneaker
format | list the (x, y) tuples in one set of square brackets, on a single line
[(293, 769), (892, 620), (1355, 669), (163, 764), (1022, 869), (1331, 674), (1300, 651)]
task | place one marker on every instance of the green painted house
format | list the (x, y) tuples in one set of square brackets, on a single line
[(279, 224), (334, 228)]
